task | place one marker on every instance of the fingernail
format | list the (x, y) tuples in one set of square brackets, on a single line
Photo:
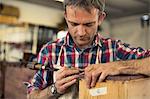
[(92, 86)]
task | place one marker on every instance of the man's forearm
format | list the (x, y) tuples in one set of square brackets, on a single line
[(98, 72), (140, 66)]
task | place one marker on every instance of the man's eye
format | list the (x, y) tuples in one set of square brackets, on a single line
[(74, 24), (89, 25)]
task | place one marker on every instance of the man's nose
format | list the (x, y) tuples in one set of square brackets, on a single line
[(81, 30)]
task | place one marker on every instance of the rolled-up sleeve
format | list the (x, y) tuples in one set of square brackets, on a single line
[(42, 78), (125, 51)]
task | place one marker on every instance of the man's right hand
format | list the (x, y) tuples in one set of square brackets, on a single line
[(66, 77)]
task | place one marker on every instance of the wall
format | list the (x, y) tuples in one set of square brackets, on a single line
[(29, 13), (130, 31), (36, 14), (106, 29)]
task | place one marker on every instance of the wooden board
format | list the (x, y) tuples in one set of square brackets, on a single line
[(133, 89), (9, 10), (10, 20)]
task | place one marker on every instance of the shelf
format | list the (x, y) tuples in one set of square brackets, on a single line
[(9, 20)]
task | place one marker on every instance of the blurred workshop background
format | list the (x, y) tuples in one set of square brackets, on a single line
[(25, 25)]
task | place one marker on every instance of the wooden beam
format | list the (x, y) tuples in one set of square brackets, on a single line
[(10, 20)]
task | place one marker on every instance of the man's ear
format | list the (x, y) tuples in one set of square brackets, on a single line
[(65, 15), (101, 17)]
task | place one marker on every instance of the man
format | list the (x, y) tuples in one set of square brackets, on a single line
[(83, 47)]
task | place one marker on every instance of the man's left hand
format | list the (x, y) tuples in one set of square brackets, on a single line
[(98, 72)]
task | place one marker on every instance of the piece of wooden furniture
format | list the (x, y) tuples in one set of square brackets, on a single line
[(132, 88), (9, 10), (10, 20), (12, 76)]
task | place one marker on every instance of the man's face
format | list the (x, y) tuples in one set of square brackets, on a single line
[(83, 25)]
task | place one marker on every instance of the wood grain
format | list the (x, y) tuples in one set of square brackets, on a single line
[(130, 89)]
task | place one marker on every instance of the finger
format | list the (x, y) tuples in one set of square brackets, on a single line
[(61, 70), (95, 76), (81, 75), (68, 79), (89, 68), (58, 73), (102, 77), (88, 78), (67, 72), (66, 85)]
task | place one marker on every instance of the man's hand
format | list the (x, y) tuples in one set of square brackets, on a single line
[(98, 72), (66, 77)]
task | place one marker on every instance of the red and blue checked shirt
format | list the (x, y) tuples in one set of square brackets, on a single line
[(64, 52)]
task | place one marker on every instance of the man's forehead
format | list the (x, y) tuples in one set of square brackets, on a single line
[(79, 15), (77, 8)]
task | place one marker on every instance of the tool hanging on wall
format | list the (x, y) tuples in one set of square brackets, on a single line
[(145, 23)]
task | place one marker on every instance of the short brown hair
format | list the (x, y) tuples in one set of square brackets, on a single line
[(87, 4)]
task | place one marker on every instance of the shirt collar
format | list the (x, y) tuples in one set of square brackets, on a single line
[(97, 40), (69, 41)]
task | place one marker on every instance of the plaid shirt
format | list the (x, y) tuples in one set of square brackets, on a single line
[(64, 52)]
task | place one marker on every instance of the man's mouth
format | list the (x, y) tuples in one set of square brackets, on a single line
[(84, 39)]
